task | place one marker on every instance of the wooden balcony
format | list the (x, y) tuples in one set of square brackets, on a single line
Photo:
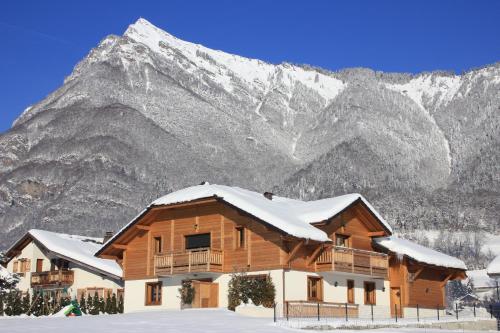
[(52, 278), (344, 259), (189, 261)]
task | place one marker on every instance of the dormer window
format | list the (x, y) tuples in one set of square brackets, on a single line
[(341, 240), (240, 237)]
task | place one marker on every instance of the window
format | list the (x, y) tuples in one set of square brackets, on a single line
[(153, 293), (39, 265), (341, 240), (197, 241), (15, 267), (350, 291), (370, 293), (158, 244), (314, 288), (240, 237)]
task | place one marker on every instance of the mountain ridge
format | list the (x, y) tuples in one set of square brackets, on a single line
[(303, 131)]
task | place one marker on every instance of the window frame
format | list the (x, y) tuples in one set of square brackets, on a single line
[(240, 235), (351, 291), (148, 299), (370, 296), (319, 288), (346, 238), (197, 248), (158, 244)]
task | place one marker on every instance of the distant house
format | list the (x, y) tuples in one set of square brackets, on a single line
[(331, 252), (483, 286), (493, 268), (62, 264)]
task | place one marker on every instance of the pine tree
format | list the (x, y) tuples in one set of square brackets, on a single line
[(114, 306), (83, 304), (102, 305), (120, 304), (107, 306), (25, 307), (95, 304), (1, 304), (90, 304)]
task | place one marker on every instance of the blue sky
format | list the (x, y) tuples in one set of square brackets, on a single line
[(41, 41)]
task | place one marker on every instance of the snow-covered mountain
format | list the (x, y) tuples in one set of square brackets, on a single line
[(146, 113)]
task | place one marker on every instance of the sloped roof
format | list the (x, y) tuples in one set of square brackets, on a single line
[(292, 216), (494, 267), (79, 249), (419, 253), (480, 279)]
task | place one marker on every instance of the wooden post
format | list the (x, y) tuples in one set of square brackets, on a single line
[(396, 312), (274, 306), (346, 315), (456, 309), (318, 311), (418, 313), (333, 258), (189, 261), (352, 260), (287, 308), (371, 305), (474, 305), (209, 259), (437, 309), (171, 264)]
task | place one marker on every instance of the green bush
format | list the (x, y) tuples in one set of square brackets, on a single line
[(243, 287), (187, 292)]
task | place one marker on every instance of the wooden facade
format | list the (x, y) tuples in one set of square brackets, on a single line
[(240, 242), (159, 243)]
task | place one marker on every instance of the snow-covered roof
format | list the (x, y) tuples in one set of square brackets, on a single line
[(75, 248), (419, 253), (494, 267), (480, 279), (292, 216), (6, 275)]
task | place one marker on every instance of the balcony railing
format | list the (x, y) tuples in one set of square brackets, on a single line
[(52, 278), (189, 261), (344, 259)]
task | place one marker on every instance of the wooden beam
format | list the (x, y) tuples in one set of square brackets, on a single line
[(119, 246), (377, 233), (315, 254), (294, 251), (143, 227), (413, 276), (446, 280), (108, 256)]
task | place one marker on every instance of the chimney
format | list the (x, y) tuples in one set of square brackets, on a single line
[(204, 183), (107, 236), (268, 195)]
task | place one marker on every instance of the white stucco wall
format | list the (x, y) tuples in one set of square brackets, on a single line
[(295, 284)]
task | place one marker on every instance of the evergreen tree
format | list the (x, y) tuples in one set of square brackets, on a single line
[(1, 304), (102, 305), (89, 304), (114, 306), (95, 304), (83, 304), (25, 307), (120, 304), (107, 306)]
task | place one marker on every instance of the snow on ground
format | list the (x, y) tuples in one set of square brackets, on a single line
[(187, 321)]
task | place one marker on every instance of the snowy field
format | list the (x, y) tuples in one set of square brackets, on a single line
[(216, 321)]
